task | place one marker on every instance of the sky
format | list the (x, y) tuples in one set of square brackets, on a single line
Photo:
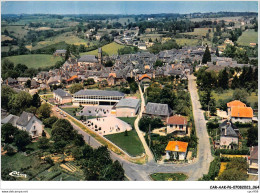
[(124, 7)]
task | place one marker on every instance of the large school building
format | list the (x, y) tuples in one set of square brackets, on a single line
[(97, 97)]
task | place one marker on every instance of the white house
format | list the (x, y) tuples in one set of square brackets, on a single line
[(30, 123), (178, 149), (239, 112), (177, 124)]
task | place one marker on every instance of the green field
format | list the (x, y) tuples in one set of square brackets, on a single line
[(129, 120), (199, 32), (17, 31), (35, 60), (247, 37), (146, 37), (186, 41), (110, 49), (68, 37), (168, 177), (227, 94), (131, 143)]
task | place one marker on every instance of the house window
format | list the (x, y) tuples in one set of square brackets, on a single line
[(34, 127), (171, 126), (181, 126)]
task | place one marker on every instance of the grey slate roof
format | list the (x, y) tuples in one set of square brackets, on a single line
[(130, 103), (10, 119), (228, 129), (88, 58), (99, 93), (24, 118), (157, 109), (61, 93)]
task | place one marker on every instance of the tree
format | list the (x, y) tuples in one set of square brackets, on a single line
[(36, 100), (217, 52), (7, 132), (240, 94), (19, 102), (10, 150), (50, 121), (28, 84), (43, 143), (44, 111), (206, 56), (31, 109), (236, 170), (62, 130), (7, 65), (78, 139), (6, 95), (212, 106), (59, 146), (252, 136), (22, 139), (229, 51), (223, 79), (75, 88)]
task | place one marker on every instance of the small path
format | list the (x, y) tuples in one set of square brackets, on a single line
[(140, 134)]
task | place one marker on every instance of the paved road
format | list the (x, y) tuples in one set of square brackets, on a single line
[(194, 170)]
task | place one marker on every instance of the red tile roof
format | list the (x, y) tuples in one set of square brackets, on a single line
[(177, 120), (236, 103), (144, 76), (246, 112), (177, 146), (72, 78)]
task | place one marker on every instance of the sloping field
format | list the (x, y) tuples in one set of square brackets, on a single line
[(199, 32), (110, 49), (68, 37), (35, 60), (186, 41), (247, 37)]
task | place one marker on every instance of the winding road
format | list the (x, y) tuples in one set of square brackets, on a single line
[(194, 170)]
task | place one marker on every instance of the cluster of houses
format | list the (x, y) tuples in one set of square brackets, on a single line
[(176, 63)]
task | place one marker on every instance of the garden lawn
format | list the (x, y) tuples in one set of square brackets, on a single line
[(228, 94), (131, 143), (129, 120), (168, 177), (247, 37), (30, 165), (70, 110), (48, 130), (34, 60), (110, 49)]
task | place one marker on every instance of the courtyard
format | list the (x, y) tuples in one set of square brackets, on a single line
[(107, 125)]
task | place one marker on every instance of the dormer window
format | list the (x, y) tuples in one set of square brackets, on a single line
[(33, 121)]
